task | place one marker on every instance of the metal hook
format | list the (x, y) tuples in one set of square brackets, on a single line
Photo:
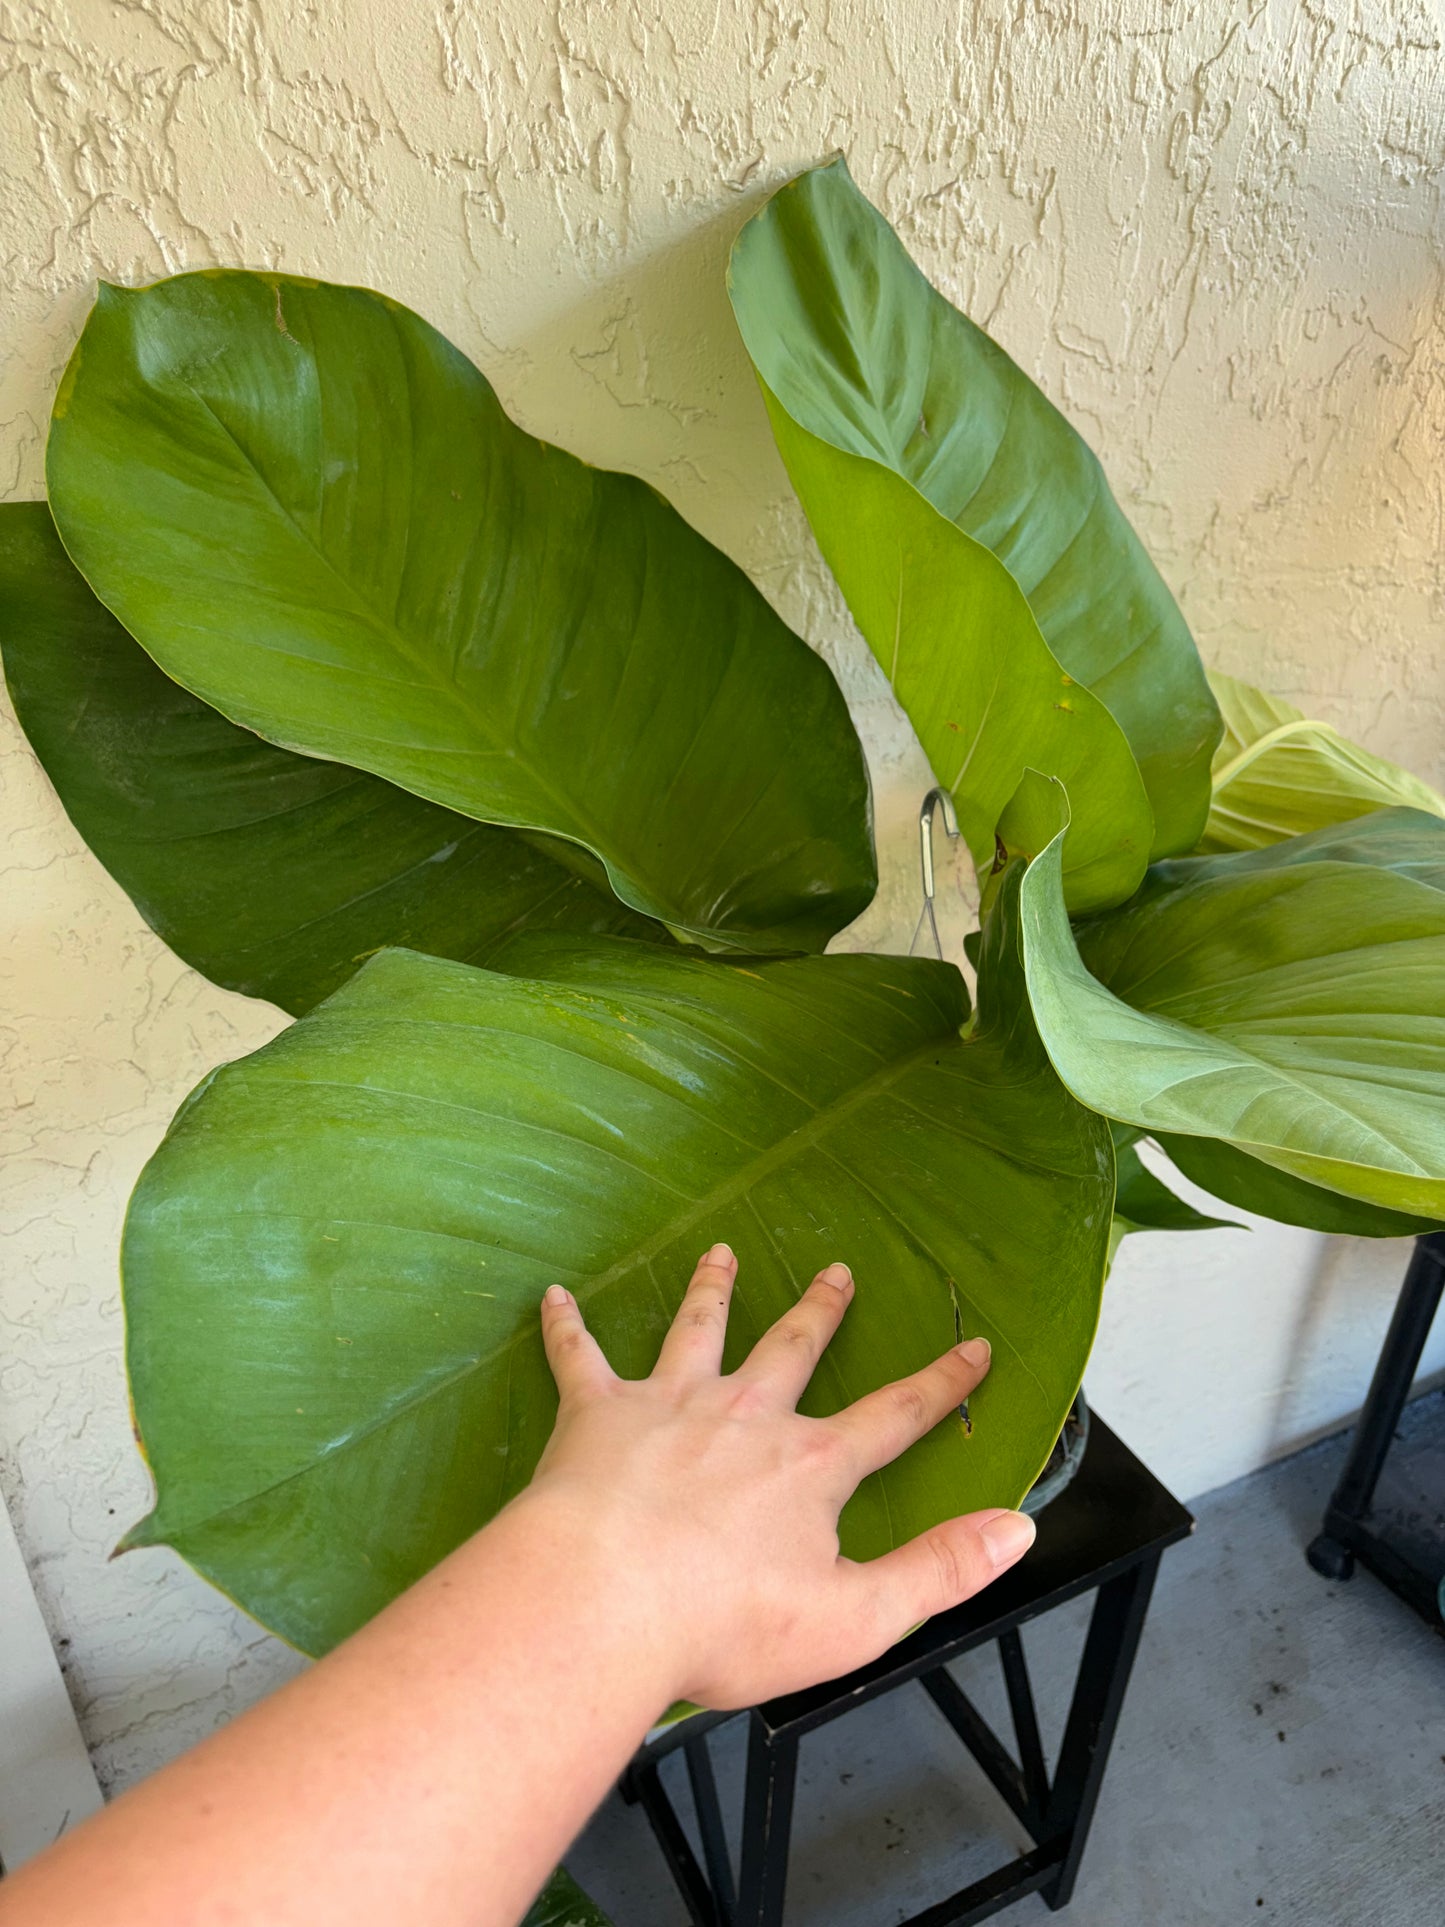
[(937, 799)]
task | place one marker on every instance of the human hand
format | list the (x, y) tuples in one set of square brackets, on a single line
[(713, 1504)]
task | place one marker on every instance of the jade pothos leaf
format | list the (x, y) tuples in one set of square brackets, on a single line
[(860, 357), (952, 630), (271, 873), (1242, 1180), (1284, 1000), (333, 1263), (562, 1903), (1143, 1202), (1277, 774), (310, 509)]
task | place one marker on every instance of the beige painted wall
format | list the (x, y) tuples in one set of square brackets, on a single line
[(1213, 232)]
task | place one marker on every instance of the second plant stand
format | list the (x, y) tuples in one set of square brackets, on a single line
[(1401, 1543)]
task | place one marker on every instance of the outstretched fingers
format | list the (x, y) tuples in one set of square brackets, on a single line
[(576, 1359), (881, 1426), (784, 1358), (693, 1347)]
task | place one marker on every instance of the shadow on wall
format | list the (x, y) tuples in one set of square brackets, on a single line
[(646, 372)]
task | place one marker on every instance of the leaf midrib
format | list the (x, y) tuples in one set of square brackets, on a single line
[(1251, 1062), (510, 751), (1261, 745), (803, 1138)]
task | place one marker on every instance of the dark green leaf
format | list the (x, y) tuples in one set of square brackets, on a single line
[(271, 873), (858, 353), (562, 1903), (1242, 1180), (1143, 1202), (333, 1263), (311, 510), (1286, 1000)]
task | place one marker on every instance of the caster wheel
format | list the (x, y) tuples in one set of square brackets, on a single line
[(1329, 1557)]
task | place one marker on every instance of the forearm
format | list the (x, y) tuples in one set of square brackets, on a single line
[(433, 1769), (679, 1541)]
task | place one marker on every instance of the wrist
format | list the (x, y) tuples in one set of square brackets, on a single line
[(598, 1593)]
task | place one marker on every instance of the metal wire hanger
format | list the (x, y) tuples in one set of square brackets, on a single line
[(936, 799)]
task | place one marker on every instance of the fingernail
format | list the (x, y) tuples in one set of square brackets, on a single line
[(719, 1255), (836, 1275), (975, 1351), (555, 1295), (1008, 1537)]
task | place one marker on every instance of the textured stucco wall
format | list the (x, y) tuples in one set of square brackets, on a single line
[(1212, 231)]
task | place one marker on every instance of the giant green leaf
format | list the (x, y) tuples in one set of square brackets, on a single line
[(1243, 1180), (1277, 774), (1286, 1000), (333, 1263), (312, 512), (859, 354), (272, 873)]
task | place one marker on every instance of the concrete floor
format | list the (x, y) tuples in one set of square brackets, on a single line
[(1281, 1758)]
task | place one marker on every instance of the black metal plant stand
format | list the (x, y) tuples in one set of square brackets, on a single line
[(1106, 1534), (1353, 1527)]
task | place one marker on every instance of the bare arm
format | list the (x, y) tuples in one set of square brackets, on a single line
[(678, 1542)]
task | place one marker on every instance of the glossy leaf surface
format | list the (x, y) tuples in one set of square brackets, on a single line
[(1277, 774), (270, 873), (858, 351), (333, 1263), (312, 512), (1285, 1000)]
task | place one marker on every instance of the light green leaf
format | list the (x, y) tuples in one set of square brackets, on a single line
[(1143, 1202), (1277, 774), (952, 630), (1243, 1180), (271, 873), (562, 1903), (857, 351), (311, 511), (333, 1263), (1286, 1000)]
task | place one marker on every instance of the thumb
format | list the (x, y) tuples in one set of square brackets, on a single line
[(946, 1565)]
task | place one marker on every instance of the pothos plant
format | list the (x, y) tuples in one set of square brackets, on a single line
[(522, 799)]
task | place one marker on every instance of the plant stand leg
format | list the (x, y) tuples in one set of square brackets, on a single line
[(1114, 1630), (642, 1786), (1009, 1782), (711, 1828), (1331, 1553), (1025, 1718), (767, 1827)]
